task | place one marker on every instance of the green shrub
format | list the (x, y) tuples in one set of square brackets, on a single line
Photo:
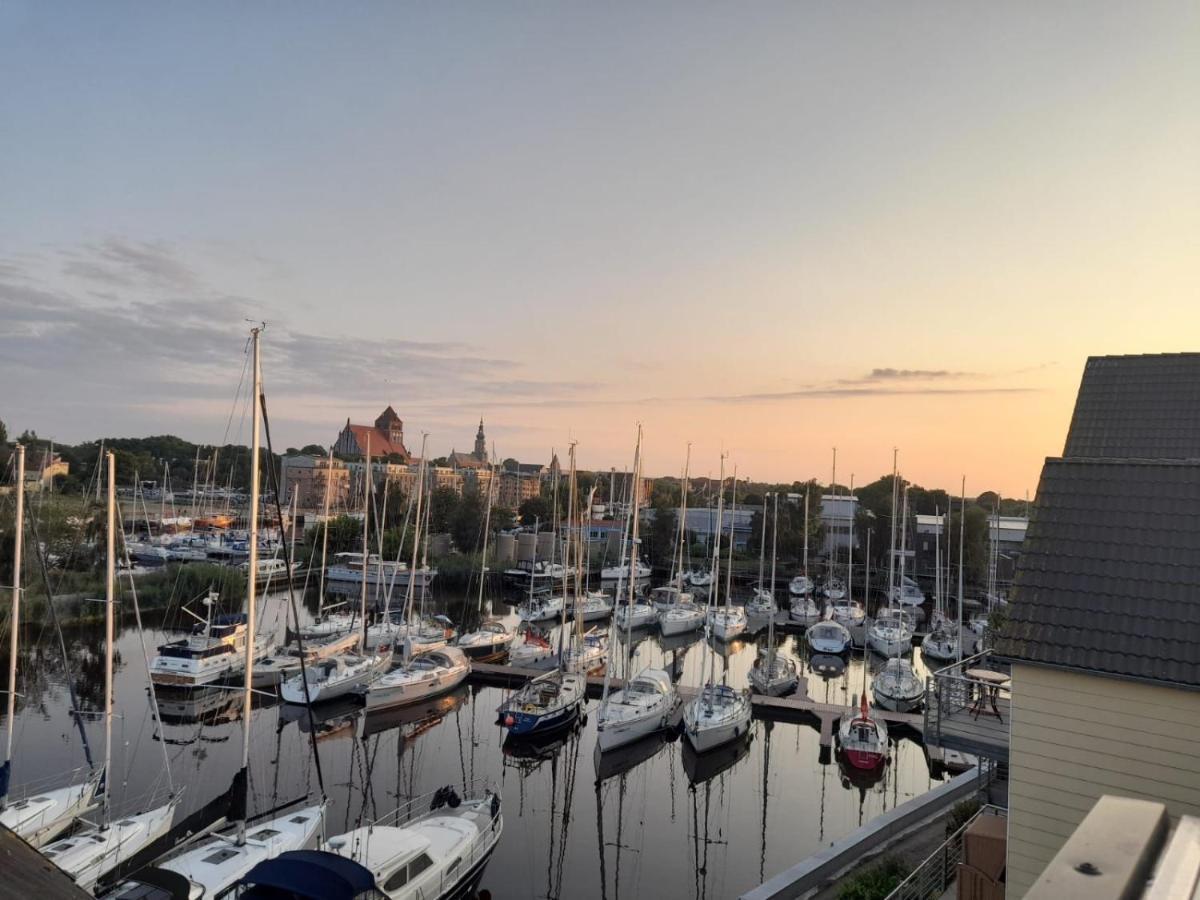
[(874, 882), (960, 814)]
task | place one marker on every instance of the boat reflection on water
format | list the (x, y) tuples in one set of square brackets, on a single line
[(865, 780), (629, 756), (204, 706), (417, 718), (703, 767), (827, 665), (676, 642), (335, 710)]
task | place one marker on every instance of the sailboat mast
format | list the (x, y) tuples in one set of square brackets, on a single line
[(709, 661), (850, 551), (487, 524), (774, 551), (829, 569), (762, 549), (806, 493), (729, 565), (677, 570), (368, 483), (412, 572), (937, 562), (633, 556), (325, 532), (252, 573), (962, 519), (892, 547), (14, 628), (110, 577)]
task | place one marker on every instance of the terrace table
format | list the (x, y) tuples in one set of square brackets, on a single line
[(990, 683)]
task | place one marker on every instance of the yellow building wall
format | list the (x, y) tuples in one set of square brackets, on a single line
[(1076, 737)]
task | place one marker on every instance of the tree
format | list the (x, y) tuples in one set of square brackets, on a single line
[(3, 433), (442, 504), (313, 450), (466, 523), (660, 542), (345, 534), (535, 509)]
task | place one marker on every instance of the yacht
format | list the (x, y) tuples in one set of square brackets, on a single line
[(680, 619), (773, 673), (541, 609), (863, 740), (700, 579), (800, 586), (719, 714), (426, 675), (436, 855), (834, 589), (535, 652), (215, 650), (907, 593), (727, 623), (669, 596), (588, 656), (647, 704), (804, 610), (491, 640), (593, 606), (891, 633), (897, 687), (544, 705), (347, 568), (347, 673), (762, 604), (88, 855), (620, 573), (640, 614), (285, 662)]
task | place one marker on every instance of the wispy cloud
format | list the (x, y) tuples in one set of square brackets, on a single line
[(123, 263), (878, 375)]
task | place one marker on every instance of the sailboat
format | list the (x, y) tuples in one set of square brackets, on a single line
[(719, 714), (648, 701), (677, 613), (942, 641), (43, 815), (730, 622), (97, 849), (804, 609), (492, 638), (773, 674), (588, 651), (897, 686), (762, 603), (347, 673), (863, 741), (215, 866)]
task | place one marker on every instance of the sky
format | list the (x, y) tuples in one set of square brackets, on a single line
[(766, 228)]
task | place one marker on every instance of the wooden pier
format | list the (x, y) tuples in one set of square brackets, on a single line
[(796, 707)]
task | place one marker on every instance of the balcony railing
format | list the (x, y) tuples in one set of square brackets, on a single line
[(937, 872), (968, 705)]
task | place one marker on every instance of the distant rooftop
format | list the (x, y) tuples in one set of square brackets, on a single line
[(1138, 407)]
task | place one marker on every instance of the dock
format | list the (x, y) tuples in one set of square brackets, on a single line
[(796, 707)]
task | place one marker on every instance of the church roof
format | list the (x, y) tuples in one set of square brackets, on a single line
[(381, 445)]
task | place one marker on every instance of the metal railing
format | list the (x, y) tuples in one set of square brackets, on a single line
[(937, 872), (967, 712)]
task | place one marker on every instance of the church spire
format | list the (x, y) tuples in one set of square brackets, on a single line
[(480, 452)]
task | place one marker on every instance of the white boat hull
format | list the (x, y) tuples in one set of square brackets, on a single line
[(680, 624), (389, 692), (42, 817), (88, 855)]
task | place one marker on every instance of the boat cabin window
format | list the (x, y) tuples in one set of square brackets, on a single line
[(419, 865), (405, 874), (215, 859), (265, 834), (298, 820)]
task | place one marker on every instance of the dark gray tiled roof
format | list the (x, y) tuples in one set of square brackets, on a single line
[(1139, 407), (1109, 578)]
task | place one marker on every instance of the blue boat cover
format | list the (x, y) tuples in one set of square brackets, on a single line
[(308, 873)]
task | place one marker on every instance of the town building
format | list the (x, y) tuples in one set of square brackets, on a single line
[(384, 439), (42, 467), (1101, 643), (926, 532), (307, 479), (517, 486)]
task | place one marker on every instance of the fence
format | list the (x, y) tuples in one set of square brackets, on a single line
[(937, 872)]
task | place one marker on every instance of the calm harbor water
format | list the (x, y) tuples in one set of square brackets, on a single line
[(649, 820)]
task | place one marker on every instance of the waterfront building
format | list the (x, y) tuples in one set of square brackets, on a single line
[(306, 479), (516, 487), (927, 530)]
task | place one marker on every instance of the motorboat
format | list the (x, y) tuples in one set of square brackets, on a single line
[(437, 854), (491, 640), (348, 568), (863, 741), (646, 704), (717, 715), (681, 619), (347, 673), (426, 675), (215, 650), (829, 637), (897, 687), (773, 673), (800, 586), (891, 633), (727, 623), (544, 704)]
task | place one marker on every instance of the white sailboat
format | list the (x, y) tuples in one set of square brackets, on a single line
[(804, 609), (424, 676), (730, 622), (587, 651), (214, 867), (95, 850), (897, 686), (773, 674), (891, 632), (42, 815), (492, 638), (942, 641), (719, 714), (828, 637), (762, 602), (648, 701)]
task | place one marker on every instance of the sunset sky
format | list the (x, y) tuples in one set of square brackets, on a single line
[(769, 227)]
